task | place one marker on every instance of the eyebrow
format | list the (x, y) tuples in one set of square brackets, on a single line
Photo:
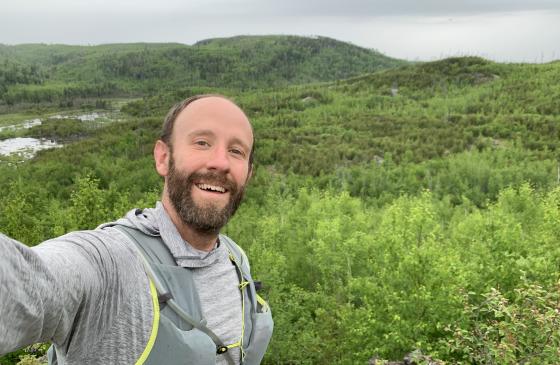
[(203, 132), (209, 133)]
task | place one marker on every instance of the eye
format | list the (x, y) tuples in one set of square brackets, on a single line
[(202, 143), (237, 152)]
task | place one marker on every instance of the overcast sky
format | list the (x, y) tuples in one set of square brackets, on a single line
[(502, 30)]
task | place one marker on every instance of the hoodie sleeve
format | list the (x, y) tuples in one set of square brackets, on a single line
[(61, 289)]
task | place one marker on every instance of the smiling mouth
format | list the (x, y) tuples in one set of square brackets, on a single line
[(212, 188)]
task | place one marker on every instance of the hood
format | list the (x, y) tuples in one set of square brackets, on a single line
[(156, 222), (144, 220)]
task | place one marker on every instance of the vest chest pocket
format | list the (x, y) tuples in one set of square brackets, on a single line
[(177, 347), (261, 334), (177, 342)]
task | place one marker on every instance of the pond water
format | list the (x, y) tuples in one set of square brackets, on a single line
[(24, 125), (28, 147), (89, 117), (25, 147)]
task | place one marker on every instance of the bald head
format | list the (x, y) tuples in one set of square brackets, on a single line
[(197, 105)]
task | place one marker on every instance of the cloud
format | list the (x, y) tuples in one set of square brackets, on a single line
[(373, 8), (131, 11), (272, 8)]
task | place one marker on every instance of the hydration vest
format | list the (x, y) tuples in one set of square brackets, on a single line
[(179, 334)]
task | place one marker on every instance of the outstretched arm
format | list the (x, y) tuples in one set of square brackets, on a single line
[(39, 297), (86, 292)]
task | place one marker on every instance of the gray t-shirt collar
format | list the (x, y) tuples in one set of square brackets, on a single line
[(185, 255)]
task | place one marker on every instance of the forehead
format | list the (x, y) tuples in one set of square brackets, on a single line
[(217, 115)]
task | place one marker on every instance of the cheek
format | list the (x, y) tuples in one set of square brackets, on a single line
[(242, 174), (189, 161)]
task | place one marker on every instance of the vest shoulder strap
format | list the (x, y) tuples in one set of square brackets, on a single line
[(152, 247), (238, 254)]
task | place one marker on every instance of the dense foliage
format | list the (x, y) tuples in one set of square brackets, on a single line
[(415, 207)]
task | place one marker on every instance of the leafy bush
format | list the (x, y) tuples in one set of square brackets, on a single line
[(522, 330)]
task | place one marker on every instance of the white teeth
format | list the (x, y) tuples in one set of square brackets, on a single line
[(211, 188)]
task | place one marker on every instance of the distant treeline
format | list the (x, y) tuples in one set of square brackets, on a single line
[(43, 72)]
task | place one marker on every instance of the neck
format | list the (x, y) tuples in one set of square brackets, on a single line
[(204, 241)]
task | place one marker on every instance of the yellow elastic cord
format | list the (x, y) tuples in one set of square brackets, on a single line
[(242, 317), (263, 303), (242, 287), (238, 343), (155, 326)]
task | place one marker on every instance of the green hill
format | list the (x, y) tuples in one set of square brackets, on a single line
[(61, 72)]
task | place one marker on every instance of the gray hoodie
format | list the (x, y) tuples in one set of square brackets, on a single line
[(87, 291)]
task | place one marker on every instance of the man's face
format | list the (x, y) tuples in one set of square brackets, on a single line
[(208, 164)]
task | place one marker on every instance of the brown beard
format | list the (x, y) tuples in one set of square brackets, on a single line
[(208, 218)]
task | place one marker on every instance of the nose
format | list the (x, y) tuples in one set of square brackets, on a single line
[(218, 160)]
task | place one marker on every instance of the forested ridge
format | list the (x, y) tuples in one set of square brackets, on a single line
[(67, 74), (413, 207)]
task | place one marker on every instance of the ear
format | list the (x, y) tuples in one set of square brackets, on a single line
[(161, 157), (249, 173)]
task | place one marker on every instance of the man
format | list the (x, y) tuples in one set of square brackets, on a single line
[(160, 286)]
